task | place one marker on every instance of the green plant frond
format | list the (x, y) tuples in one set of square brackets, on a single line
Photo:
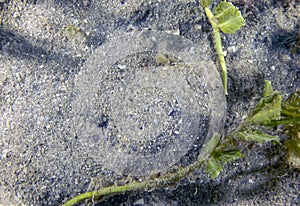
[(272, 111), (268, 89), (268, 109), (211, 145), (230, 155), (291, 106), (206, 3), (214, 167), (218, 159), (293, 147), (229, 17), (257, 136)]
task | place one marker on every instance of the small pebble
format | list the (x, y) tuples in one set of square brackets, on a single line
[(232, 49), (250, 61), (272, 68)]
